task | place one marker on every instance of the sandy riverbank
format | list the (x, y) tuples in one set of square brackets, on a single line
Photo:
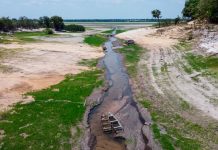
[(162, 52), (34, 66), (184, 99)]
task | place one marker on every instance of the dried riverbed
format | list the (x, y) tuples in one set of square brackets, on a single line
[(118, 100)]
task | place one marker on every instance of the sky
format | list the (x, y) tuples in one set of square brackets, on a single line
[(90, 9)]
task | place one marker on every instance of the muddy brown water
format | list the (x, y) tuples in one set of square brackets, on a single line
[(119, 101)]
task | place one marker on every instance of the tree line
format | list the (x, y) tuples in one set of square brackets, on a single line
[(7, 24), (201, 9), (55, 22)]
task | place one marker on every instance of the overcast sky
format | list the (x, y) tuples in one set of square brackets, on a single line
[(90, 9)]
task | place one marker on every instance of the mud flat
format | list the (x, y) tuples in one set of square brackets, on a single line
[(163, 79), (119, 25), (38, 65)]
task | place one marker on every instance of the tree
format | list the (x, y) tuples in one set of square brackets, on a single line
[(157, 14), (1, 24), (208, 10), (191, 9), (177, 20), (58, 23), (23, 22), (6, 24), (201, 9), (45, 22)]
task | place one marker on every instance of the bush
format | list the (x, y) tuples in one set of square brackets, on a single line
[(48, 31), (164, 23), (74, 28)]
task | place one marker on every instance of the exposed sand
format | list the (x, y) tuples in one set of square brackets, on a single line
[(39, 65), (176, 82), (209, 42)]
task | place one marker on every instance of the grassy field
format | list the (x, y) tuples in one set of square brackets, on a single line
[(175, 132), (46, 123), (132, 56), (111, 31), (108, 31), (184, 45), (21, 37), (95, 40), (206, 65)]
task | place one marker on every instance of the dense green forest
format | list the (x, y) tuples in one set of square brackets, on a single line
[(201, 9)]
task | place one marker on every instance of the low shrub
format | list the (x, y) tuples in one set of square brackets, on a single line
[(49, 31), (74, 28)]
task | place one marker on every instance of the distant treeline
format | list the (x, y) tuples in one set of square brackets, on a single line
[(114, 20), (202, 9), (55, 22)]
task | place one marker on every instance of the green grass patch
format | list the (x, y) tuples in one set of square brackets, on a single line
[(132, 55), (154, 70), (176, 130), (196, 79), (46, 122), (108, 32), (23, 37), (146, 103), (29, 36), (164, 139), (199, 62), (164, 68), (187, 69), (89, 62), (95, 40), (174, 138), (120, 31), (4, 40), (111, 31), (208, 65), (24, 34), (184, 105), (184, 45)]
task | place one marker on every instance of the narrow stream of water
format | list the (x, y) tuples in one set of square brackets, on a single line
[(119, 101)]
